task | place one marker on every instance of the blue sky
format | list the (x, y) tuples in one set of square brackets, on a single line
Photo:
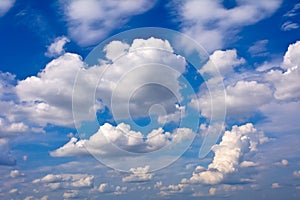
[(203, 105)]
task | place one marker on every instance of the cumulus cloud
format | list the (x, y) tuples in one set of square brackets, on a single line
[(211, 24), (103, 141), (104, 188), (139, 174), (57, 47), (172, 189), (90, 21), (237, 98), (224, 61), (55, 181), (229, 153), (47, 97), (5, 5), (286, 81)]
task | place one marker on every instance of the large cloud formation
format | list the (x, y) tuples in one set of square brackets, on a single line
[(102, 142), (229, 153)]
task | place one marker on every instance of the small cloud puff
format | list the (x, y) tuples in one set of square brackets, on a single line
[(57, 47)]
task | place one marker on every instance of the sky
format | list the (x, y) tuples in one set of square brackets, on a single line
[(160, 99)]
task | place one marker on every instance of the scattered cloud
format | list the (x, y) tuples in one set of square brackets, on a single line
[(275, 185), (209, 22), (282, 163), (56, 181), (57, 47), (90, 21), (288, 26), (259, 48), (290, 17), (139, 174), (296, 173)]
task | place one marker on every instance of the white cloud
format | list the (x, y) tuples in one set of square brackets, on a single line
[(172, 189), (5, 5), (71, 194), (55, 181), (104, 188), (248, 164), (275, 185), (16, 173), (286, 83), (102, 142), (90, 21), (287, 26), (212, 191), (120, 190), (259, 48), (296, 173), (282, 163), (224, 61), (235, 144), (237, 99), (213, 25), (57, 47), (47, 97), (139, 174)]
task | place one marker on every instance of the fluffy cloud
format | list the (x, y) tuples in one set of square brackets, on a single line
[(55, 181), (140, 174), (237, 98), (48, 96), (235, 144), (90, 21), (102, 142), (224, 61), (57, 47), (211, 24), (5, 5), (286, 81)]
